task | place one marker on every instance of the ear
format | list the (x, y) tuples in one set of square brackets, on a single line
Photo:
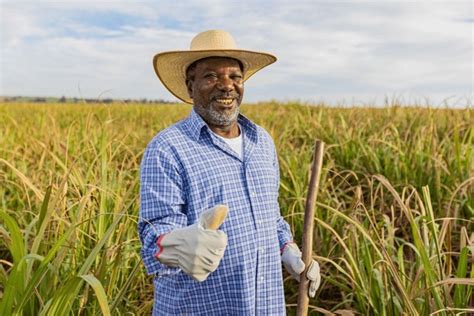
[(189, 85)]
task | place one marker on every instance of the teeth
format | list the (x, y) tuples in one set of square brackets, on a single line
[(225, 101)]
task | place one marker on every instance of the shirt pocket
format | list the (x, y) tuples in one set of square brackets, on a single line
[(263, 185), (207, 188)]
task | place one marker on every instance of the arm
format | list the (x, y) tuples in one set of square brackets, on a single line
[(291, 255), (284, 232), (162, 204), (168, 244)]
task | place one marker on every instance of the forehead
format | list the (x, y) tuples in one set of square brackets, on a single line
[(216, 63)]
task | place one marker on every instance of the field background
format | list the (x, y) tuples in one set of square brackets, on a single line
[(394, 220)]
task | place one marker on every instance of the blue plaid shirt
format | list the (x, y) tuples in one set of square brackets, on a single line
[(187, 169)]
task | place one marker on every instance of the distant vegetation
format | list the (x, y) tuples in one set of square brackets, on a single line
[(22, 99)]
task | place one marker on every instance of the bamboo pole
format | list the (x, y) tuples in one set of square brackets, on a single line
[(307, 245)]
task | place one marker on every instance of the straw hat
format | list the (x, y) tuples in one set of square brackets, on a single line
[(171, 66)]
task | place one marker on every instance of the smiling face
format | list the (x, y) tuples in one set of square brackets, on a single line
[(216, 86)]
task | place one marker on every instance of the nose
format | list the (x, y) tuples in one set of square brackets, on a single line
[(225, 84)]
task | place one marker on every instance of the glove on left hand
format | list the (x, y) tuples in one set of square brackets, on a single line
[(293, 263), (195, 249)]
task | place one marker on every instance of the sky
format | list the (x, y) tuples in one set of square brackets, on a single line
[(337, 52)]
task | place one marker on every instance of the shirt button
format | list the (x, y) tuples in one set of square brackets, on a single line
[(262, 250), (254, 194), (261, 279)]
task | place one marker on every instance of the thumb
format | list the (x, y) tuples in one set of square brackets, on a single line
[(213, 217)]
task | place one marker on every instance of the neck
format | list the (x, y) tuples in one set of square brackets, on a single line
[(230, 131)]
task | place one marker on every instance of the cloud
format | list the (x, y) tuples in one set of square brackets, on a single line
[(330, 51)]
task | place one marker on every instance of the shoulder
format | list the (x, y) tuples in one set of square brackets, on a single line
[(165, 141), (264, 136), (264, 140), (262, 132)]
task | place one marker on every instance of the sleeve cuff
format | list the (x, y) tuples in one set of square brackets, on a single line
[(160, 248), (285, 244), (149, 256)]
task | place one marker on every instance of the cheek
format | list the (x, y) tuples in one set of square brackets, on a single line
[(202, 95), (197, 93), (204, 90), (241, 92)]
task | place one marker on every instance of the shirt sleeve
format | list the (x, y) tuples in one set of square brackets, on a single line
[(161, 204), (284, 231)]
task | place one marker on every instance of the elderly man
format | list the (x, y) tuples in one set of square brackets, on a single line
[(216, 159)]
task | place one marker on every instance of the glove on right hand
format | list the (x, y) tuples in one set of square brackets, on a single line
[(293, 263), (194, 249)]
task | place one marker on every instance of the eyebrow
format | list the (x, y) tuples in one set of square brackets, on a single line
[(235, 68)]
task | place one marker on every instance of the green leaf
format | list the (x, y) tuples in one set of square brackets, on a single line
[(460, 299), (17, 244), (99, 293)]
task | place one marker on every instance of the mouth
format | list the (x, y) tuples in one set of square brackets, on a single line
[(224, 101)]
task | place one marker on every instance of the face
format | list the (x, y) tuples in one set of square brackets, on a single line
[(216, 87)]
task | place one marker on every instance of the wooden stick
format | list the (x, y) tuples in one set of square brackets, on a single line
[(307, 246)]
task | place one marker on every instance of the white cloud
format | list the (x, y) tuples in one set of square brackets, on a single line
[(16, 25), (351, 50)]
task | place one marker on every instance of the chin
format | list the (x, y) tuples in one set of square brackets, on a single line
[(220, 120)]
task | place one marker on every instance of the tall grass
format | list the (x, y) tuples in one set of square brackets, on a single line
[(394, 220)]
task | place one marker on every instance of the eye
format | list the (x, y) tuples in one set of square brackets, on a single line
[(236, 77), (210, 75)]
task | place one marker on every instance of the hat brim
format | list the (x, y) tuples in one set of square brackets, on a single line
[(170, 67)]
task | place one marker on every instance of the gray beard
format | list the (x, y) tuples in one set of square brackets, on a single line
[(216, 118)]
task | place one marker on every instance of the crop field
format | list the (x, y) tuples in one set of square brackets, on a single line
[(394, 224)]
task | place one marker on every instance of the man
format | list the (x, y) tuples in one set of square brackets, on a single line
[(216, 158)]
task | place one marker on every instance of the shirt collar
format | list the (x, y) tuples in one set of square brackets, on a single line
[(248, 128), (195, 124)]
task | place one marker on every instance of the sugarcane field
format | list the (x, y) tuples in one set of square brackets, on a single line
[(393, 220), (236, 158)]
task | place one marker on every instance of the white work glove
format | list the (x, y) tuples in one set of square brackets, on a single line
[(293, 263), (194, 249)]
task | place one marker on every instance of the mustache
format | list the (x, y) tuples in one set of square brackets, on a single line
[(225, 96)]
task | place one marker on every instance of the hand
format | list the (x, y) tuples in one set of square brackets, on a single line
[(293, 263), (194, 249)]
